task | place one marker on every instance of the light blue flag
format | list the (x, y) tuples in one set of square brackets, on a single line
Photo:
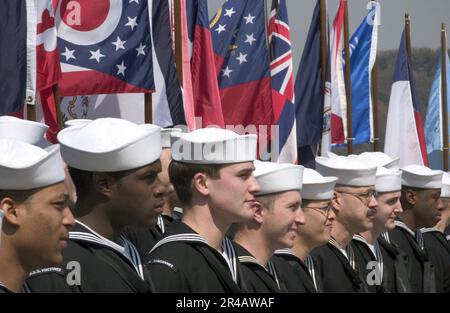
[(433, 119), (363, 51)]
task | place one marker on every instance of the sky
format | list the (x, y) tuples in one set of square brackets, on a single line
[(426, 18)]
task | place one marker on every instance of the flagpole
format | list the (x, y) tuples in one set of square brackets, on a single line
[(374, 90), (266, 26), (31, 112), (324, 52), (408, 37), (178, 52), (348, 82), (444, 97), (57, 100), (323, 39), (148, 108)]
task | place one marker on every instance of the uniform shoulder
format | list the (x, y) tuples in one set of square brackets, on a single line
[(172, 255)]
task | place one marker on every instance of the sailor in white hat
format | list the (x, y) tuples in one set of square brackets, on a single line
[(273, 226), (382, 268), (422, 206), (23, 130), (33, 133), (435, 242), (34, 210), (380, 159), (354, 205), (77, 121), (295, 266), (114, 165), (145, 236), (212, 173)]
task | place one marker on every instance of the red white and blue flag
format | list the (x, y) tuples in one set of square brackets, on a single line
[(105, 47), (242, 64), (281, 72), (405, 137), (338, 100), (205, 89)]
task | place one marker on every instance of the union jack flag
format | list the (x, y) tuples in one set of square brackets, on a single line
[(281, 72)]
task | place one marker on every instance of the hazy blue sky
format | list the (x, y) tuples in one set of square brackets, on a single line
[(426, 19)]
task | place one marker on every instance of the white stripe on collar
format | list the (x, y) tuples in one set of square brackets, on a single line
[(363, 240), (360, 238), (26, 288), (309, 262), (100, 238), (403, 225), (386, 237), (285, 251), (376, 254), (269, 269), (228, 254), (160, 223), (448, 237), (417, 235), (273, 271), (428, 230), (128, 250), (178, 210)]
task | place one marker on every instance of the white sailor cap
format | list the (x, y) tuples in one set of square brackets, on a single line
[(23, 130), (110, 145), (77, 121), (388, 180), (165, 136), (419, 176), (316, 186), (213, 146), (445, 190), (349, 170), (380, 159), (24, 166), (278, 177)]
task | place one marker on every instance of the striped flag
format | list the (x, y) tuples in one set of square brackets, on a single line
[(433, 120), (338, 98), (168, 99), (205, 89), (363, 53), (404, 128), (281, 72)]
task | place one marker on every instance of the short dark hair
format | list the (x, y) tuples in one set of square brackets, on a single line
[(83, 180), (19, 196), (403, 200), (181, 175)]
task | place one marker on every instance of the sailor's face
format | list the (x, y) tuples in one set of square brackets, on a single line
[(358, 208), (280, 222), (389, 207), (428, 207), (233, 194), (138, 196), (45, 226), (319, 217)]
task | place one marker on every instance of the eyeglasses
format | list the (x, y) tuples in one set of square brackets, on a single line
[(325, 211), (363, 197)]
